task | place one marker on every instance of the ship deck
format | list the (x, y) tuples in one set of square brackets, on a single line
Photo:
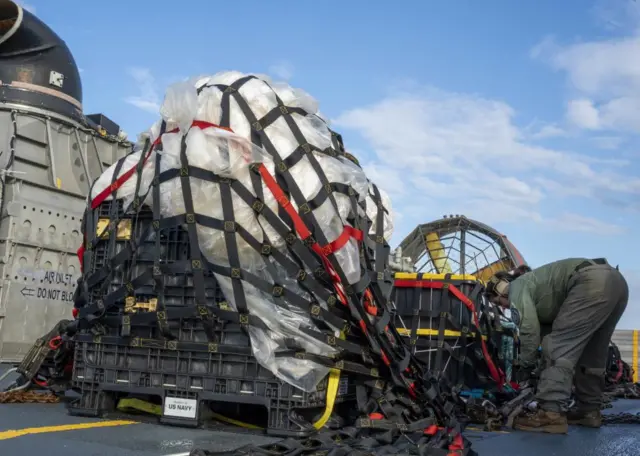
[(31, 429)]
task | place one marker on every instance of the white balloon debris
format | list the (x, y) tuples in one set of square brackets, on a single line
[(229, 154)]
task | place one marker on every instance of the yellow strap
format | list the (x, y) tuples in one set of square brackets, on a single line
[(224, 419), (435, 277), (434, 332), (485, 273), (128, 404), (437, 253), (333, 385), (332, 394)]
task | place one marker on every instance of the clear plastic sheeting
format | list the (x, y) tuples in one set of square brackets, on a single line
[(229, 154)]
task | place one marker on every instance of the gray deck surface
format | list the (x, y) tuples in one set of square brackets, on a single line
[(156, 440)]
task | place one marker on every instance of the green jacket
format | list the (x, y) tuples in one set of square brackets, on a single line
[(538, 295)]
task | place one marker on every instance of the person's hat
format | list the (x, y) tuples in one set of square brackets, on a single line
[(498, 284)]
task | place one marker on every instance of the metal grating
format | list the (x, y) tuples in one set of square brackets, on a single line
[(458, 245)]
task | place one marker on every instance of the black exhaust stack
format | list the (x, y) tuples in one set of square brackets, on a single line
[(36, 67)]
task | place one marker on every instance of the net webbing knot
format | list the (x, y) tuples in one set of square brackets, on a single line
[(364, 304)]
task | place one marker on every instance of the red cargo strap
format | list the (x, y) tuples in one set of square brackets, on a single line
[(369, 306), (348, 232), (324, 251), (431, 430), (104, 194), (80, 254), (620, 371), (40, 383), (457, 444), (496, 374), (98, 200), (304, 233)]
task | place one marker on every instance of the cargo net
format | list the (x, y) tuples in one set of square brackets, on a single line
[(296, 237), (453, 257), (454, 330)]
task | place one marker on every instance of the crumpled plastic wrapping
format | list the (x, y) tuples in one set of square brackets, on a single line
[(230, 155)]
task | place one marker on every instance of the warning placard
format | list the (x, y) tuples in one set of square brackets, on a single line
[(53, 286)]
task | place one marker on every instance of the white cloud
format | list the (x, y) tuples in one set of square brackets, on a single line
[(583, 114), (537, 130), (607, 142), (149, 97), (576, 222), (283, 70), (603, 74), (458, 153), (549, 131), (617, 15)]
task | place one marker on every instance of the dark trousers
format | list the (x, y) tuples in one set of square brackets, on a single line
[(576, 349)]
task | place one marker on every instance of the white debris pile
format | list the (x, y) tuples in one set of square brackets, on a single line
[(229, 154)]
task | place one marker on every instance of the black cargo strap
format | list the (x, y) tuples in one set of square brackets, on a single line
[(361, 440), (197, 266), (113, 217), (396, 384), (317, 312), (174, 345), (158, 275), (441, 312)]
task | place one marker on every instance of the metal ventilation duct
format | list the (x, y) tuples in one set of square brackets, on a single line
[(36, 66)]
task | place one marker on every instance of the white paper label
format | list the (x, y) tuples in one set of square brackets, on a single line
[(183, 408), (56, 79)]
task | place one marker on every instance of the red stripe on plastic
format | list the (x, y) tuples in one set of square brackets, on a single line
[(496, 374), (104, 194)]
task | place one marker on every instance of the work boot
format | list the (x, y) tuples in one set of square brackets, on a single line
[(542, 421), (587, 418)]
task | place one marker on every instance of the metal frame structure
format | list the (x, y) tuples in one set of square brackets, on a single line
[(458, 245)]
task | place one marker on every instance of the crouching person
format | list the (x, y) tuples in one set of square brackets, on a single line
[(582, 301)]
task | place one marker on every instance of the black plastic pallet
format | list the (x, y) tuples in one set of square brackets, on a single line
[(438, 311), (190, 385), (173, 246), (459, 366)]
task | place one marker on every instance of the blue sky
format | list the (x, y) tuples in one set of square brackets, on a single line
[(521, 114)]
